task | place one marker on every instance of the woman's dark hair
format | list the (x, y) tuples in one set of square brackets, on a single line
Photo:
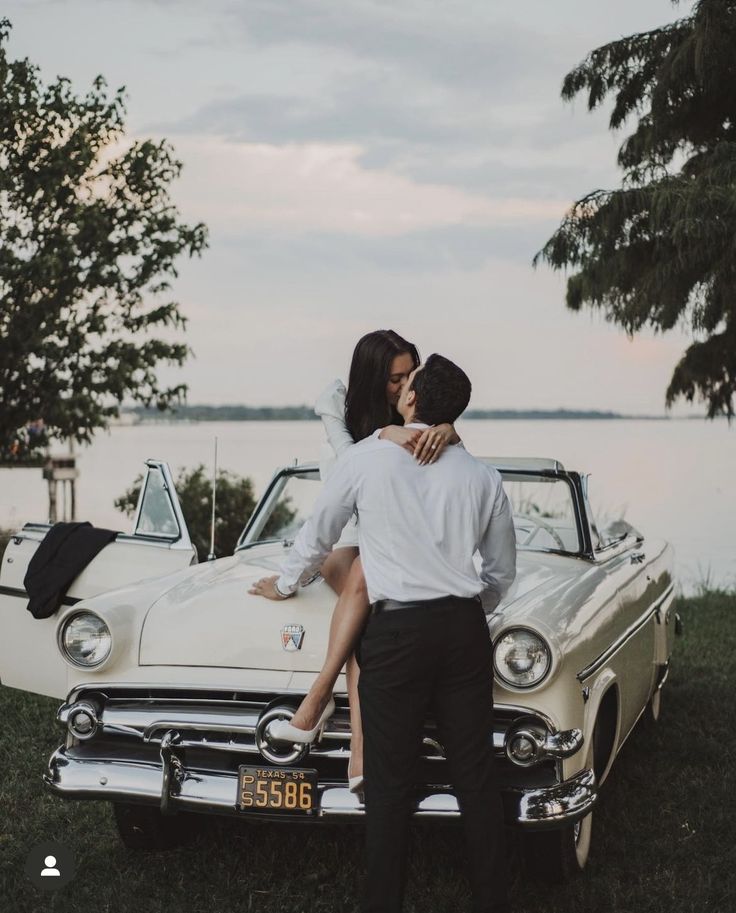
[(366, 406)]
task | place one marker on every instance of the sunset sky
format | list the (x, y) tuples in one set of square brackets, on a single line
[(365, 164)]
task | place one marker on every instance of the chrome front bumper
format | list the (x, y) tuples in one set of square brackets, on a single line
[(173, 788)]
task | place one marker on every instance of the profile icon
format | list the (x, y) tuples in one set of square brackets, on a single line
[(50, 865), (50, 871)]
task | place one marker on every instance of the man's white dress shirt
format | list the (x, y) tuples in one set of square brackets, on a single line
[(419, 526)]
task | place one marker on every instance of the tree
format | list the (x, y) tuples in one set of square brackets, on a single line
[(235, 504), (659, 251), (88, 242)]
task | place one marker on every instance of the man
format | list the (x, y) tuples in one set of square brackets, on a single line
[(426, 646)]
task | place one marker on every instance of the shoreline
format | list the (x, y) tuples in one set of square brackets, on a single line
[(204, 413)]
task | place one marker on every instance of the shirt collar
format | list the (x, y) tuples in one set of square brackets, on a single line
[(416, 425)]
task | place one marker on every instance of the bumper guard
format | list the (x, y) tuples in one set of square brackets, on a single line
[(174, 788)]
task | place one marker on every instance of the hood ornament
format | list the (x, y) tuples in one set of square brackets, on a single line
[(292, 637)]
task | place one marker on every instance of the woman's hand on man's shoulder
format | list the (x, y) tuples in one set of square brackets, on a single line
[(404, 437), (433, 441)]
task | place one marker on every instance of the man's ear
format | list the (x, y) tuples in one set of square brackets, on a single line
[(411, 397)]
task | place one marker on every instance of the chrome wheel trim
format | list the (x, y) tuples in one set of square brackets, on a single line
[(583, 828), (582, 831), (656, 705)]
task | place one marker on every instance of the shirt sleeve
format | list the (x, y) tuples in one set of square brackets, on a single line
[(330, 407), (315, 539), (498, 553)]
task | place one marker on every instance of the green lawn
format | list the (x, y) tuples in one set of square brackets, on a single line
[(664, 836)]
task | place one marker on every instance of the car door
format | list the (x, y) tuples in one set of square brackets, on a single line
[(158, 544)]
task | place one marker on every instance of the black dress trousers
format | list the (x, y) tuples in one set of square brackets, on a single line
[(437, 657)]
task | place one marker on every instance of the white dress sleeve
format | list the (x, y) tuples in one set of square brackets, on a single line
[(314, 541), (330, 407)]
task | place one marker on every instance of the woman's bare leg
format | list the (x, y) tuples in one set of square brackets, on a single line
[(355, 768), (344, 572)]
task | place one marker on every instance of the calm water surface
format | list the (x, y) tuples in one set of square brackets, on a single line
[(671, 479)]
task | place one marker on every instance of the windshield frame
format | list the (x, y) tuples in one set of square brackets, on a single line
[(574, 480), (584, 542), (262, 510)]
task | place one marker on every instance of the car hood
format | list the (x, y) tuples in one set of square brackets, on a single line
[(209, 618)]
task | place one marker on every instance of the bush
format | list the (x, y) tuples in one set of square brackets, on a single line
[(235, 503), (5, 536)]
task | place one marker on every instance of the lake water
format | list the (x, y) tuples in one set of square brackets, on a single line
[(671, 479)]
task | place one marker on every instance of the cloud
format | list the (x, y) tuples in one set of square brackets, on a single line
[(423, 92), (427, 138), (468, 46), (433, 251), (324, 189)]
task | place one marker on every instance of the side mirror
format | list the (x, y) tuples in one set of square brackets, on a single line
[(618, 530)]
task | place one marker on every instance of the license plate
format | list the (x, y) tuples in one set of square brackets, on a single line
[(277, 789)]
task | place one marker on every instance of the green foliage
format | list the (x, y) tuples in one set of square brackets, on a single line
[(5, 536), (235, 504), (88, 242), (24, 446), (660, 250)]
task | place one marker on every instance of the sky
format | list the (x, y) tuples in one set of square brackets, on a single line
[(367, 164)]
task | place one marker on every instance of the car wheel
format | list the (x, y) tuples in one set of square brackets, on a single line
[(143, 827), (556, 857)]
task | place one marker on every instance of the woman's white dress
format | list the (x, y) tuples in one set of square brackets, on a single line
[(330, 407)]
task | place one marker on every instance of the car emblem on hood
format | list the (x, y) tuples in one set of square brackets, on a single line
[(292, 637)]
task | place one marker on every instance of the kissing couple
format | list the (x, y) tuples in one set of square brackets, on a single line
[(403, 510)]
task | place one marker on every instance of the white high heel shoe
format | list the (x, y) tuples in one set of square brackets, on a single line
[(283, 731), (355, 784)]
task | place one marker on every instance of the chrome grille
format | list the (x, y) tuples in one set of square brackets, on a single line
[(217, 728)]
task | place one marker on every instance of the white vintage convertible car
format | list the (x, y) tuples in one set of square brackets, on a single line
[(171, 673)]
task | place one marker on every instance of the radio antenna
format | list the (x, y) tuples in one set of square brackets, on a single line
[(211, 555)]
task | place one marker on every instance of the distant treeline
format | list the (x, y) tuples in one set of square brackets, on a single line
[(306, 413)]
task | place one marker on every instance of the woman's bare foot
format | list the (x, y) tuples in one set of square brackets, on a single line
[(310, 710)]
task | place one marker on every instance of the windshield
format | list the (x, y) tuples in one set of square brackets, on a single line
[(544, 512), (543, 507), (293, 508), (284, 508)]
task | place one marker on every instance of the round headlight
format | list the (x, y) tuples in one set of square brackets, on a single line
[(86, 640), (522, 658)]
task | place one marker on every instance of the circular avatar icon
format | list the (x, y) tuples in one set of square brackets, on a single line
[(50, 865)]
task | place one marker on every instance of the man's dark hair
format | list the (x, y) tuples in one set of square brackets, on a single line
[(442, 389)]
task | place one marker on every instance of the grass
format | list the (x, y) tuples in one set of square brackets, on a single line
[(664, 833)]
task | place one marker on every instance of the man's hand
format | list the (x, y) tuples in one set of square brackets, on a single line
[(266, 586)]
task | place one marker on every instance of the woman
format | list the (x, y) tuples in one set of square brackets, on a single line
[(381, 365)]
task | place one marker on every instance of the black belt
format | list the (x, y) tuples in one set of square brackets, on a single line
[(393, 605)]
